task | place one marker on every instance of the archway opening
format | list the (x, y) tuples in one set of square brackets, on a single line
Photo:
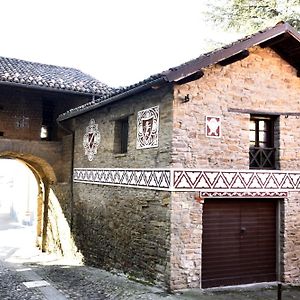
[(19, 207), (31, 216)]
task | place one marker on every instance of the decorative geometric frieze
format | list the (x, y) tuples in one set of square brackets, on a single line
[(210, 183), (257, 194), (91, 140), (151, 179), (213, 127), (216, 180), (147, 128)]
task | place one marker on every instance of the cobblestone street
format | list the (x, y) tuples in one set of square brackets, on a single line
[(28, 274)]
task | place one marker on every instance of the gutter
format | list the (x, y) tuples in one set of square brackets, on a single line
[(117, 97), (47, 89)]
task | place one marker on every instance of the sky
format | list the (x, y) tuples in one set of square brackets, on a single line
[(119, 42)]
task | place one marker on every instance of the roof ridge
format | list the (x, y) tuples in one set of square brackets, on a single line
[(39, 63)]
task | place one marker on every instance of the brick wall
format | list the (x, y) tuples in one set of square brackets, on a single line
[(261, 82), (16, 103), (15, 106)]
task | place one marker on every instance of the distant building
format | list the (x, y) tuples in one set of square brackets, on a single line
[(191, 177)]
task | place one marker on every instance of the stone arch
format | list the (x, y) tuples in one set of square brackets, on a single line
[(37, 165), (45, 177)]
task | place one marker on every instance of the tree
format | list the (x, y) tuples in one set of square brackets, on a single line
[(247, 16)]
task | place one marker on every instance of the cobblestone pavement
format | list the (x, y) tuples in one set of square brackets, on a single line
[(28, 274)]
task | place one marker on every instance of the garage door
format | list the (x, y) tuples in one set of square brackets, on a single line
[(239, 241)]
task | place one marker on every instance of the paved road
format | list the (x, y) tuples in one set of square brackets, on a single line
[(28, 274)]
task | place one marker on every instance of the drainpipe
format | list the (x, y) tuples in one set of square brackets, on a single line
[(45, 216), (72, 168)]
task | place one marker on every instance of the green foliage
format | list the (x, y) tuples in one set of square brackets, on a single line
[(247, 16)]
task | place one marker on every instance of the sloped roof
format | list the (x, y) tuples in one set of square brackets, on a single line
[(37, 75), (282, 38)]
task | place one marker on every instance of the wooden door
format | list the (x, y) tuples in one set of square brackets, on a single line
[(239, 241)]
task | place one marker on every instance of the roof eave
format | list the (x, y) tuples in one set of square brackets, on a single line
[(224, 53), (47, 89), (109, 100)]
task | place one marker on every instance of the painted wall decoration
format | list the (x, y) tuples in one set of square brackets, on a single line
[(147, 128), (235, 181), (213, 127), (210, 183), (257, 194), (152, 179), (91, 140)]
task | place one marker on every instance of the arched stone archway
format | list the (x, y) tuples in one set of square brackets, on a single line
[(45, 177)]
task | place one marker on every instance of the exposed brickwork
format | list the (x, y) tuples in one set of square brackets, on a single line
[(13, 108), (261, 82), (18, 103)]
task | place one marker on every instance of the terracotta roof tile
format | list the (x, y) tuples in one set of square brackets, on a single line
[(51, 77)]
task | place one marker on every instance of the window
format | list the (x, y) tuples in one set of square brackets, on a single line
[(48, 116), (261, 135), (44, 132), (121, 136)]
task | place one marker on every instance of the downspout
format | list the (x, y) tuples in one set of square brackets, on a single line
[(72, 168), (45, 216)]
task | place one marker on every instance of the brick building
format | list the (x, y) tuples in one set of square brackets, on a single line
[(191, 177), (32, 95)]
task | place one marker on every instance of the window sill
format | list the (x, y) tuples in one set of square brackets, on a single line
[(120, 154)]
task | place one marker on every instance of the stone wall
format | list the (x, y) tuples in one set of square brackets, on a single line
[(290, 239), (262, 82), (122, 228), (186, 228)]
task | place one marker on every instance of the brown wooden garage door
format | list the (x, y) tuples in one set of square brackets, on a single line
[(239, 241)]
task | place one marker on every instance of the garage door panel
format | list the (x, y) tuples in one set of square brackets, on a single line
[(239, 241)]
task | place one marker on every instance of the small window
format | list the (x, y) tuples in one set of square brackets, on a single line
[(261, 136), (1, 133), (121, 136), (44, 132)]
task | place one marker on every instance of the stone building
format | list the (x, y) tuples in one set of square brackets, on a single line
[(32, 95), (191, 178)]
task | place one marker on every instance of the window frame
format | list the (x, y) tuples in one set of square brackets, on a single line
[(269, 121), (121, 135), (262, 152)]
